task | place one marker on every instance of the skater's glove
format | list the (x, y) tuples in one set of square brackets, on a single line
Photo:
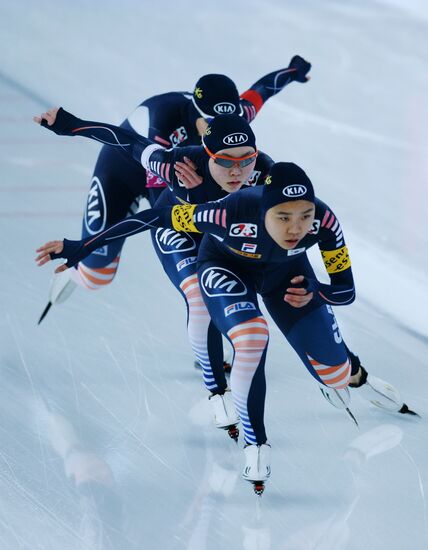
[(308, 283), (73, 252), (301, 69), (64, 123)]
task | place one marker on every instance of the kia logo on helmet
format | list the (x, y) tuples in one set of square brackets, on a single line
[(294, 191), (224, 108), (238, 138)]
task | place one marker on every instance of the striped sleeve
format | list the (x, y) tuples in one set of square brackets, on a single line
[(337, 262), (210, 218), (150, 155), (187, 218)]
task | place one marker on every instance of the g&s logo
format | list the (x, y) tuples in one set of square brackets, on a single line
[(224, 108), (96, 212), (243, 230), (178, 136), (294, 191), (237, 138)]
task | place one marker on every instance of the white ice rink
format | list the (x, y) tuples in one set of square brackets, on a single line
[(110, 373)]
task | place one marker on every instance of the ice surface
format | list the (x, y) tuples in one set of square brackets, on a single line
[(110, 373)]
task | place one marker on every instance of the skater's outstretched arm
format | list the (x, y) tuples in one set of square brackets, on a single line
[(272, 83), (152, 156), (189, 218)]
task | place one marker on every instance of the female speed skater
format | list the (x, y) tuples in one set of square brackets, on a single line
[(255, 243), (173, 119), (225, 161), (228, 160)]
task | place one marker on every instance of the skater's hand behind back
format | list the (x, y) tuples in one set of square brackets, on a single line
[(298, 295), (186, 173)]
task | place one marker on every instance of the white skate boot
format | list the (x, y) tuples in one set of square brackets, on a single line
[(61, 287), (225, 415), (380, 393), (257, 466)]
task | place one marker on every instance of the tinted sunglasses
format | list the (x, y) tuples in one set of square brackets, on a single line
[(229, 162)]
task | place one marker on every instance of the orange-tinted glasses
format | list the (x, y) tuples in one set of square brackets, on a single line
[(228, 162)]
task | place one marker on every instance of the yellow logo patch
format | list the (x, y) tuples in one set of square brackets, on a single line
[(268, 180), (182, 218), (336, 260), (198, 93), (245, 254)]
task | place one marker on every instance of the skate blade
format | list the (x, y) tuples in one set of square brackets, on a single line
[(259, 487), (405, 410), (227, 367), (45, 312), (233, 432), (352, 416)]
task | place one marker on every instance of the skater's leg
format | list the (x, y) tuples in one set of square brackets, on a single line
[(316, 340), (114, 191), (204, 337), (177, 253), (312, 331), (112, 196), (234, 309)]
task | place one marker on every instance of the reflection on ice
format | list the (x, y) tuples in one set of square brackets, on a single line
[(372, 443), (101, 522), (217, 484), (334, 532)]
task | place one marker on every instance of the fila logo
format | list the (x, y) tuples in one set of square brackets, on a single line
[(294, 191), (218, 281), (170, 241), (237, 307), (102, 251), (243, 230), (187, 261), (238, 138), (249, 247), (294, 251), (224, 108), (96, 211)]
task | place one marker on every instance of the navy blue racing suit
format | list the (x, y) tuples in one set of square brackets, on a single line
[(118, 182), (237, 261), (177, 252)]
